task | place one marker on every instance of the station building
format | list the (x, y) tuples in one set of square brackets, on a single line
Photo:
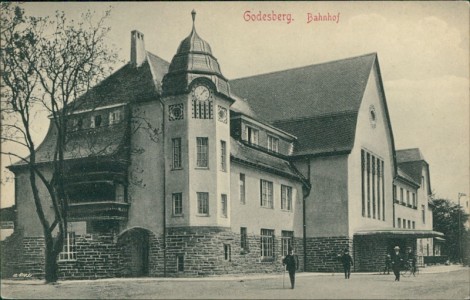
[(174, 170)]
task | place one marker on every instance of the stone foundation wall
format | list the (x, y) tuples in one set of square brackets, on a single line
[(22, 257), (204, 254), (322, 253), (107, 255), (97, 257)]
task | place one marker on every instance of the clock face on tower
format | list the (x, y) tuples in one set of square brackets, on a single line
[(201, 93)]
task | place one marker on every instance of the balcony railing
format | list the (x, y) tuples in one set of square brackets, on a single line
[(104, 210)]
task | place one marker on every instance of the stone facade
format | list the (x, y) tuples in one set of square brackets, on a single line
[(22, 257), (97, 257), (322, 253)]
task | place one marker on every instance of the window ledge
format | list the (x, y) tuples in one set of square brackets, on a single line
[(177, 216), (202, 215), (66, 260), (266, 259), (286, 210), (267, 207), (202, 168), (176, 169)]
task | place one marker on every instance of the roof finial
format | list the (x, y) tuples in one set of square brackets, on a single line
[(193, 13)]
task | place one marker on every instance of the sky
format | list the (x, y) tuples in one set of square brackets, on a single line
[(423, 51)]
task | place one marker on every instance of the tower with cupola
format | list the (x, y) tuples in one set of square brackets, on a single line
[(196, 100)]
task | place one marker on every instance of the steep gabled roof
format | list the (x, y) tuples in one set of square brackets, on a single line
[(409, 155), (412, 162), (304, 92), (333, 133), (403, 175), (87, 143), (259, 159), (128, 84)]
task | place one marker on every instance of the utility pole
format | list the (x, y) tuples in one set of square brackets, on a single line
[(460, 227)]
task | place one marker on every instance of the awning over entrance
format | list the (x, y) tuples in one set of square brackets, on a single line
[(400, 233)]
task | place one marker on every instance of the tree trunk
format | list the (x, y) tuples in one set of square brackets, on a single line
[(51, 267)]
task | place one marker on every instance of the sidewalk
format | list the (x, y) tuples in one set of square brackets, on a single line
[(231, 277)]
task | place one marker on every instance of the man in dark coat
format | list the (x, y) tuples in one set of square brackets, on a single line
[(397, 263), (291, 265), (347, 261)]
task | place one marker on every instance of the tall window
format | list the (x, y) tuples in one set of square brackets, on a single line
[(95, 121), (177, 204), (402, 198), (266, 194), (243, 238), (399, 222), (286, 197), (176, 142), (223, 156), (414, 224), (368, 184), (223, 204), (409, 224), (69, 249), (203, 203), (267, 243), (373, 186), (202, 109), (242, 188), (114, 117), (404, 223), (363, 170), (414, 200), (227, 252), (382, 178), (395, 195), (180, 262), (273, 144), (379, 174), (423, 213), (251, 135), (202, 152), (408, 198), (287, 240)]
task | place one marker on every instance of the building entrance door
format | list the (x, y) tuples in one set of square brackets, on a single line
[(139, 255), (135, 253)]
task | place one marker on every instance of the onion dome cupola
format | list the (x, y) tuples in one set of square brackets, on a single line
[(194, 60)]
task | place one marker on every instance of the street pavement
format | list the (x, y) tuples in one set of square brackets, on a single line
[(439, 282)]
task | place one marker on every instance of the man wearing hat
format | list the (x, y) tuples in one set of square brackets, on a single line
[(291, 265), (347, 261), (397, 262)]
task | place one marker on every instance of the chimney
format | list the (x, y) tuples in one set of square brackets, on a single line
[(138, 53)]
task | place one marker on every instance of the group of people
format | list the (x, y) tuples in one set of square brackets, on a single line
[(395, 262)]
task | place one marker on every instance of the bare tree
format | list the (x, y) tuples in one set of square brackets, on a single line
[(47, 64)]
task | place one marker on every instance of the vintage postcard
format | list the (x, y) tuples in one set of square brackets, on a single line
[(235, 150)]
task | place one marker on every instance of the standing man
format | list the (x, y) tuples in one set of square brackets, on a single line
[(411, 260), (291, 265), (347, 261), (397, 262)]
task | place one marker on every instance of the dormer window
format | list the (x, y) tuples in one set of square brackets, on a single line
[(95, 121), (273, 144), (77, 124), (251, 135), (114, 117)]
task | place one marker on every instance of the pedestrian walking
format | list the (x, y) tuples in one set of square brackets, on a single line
[(347, 261), (411, 260), (291, 265), (388, 264), (397, 262)]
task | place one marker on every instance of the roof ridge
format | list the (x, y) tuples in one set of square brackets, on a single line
[(307, 66), (324, 115)]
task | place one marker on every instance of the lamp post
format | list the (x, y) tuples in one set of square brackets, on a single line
[(460, 227)]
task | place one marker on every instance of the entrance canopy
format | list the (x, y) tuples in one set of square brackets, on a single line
[(400, 233)]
